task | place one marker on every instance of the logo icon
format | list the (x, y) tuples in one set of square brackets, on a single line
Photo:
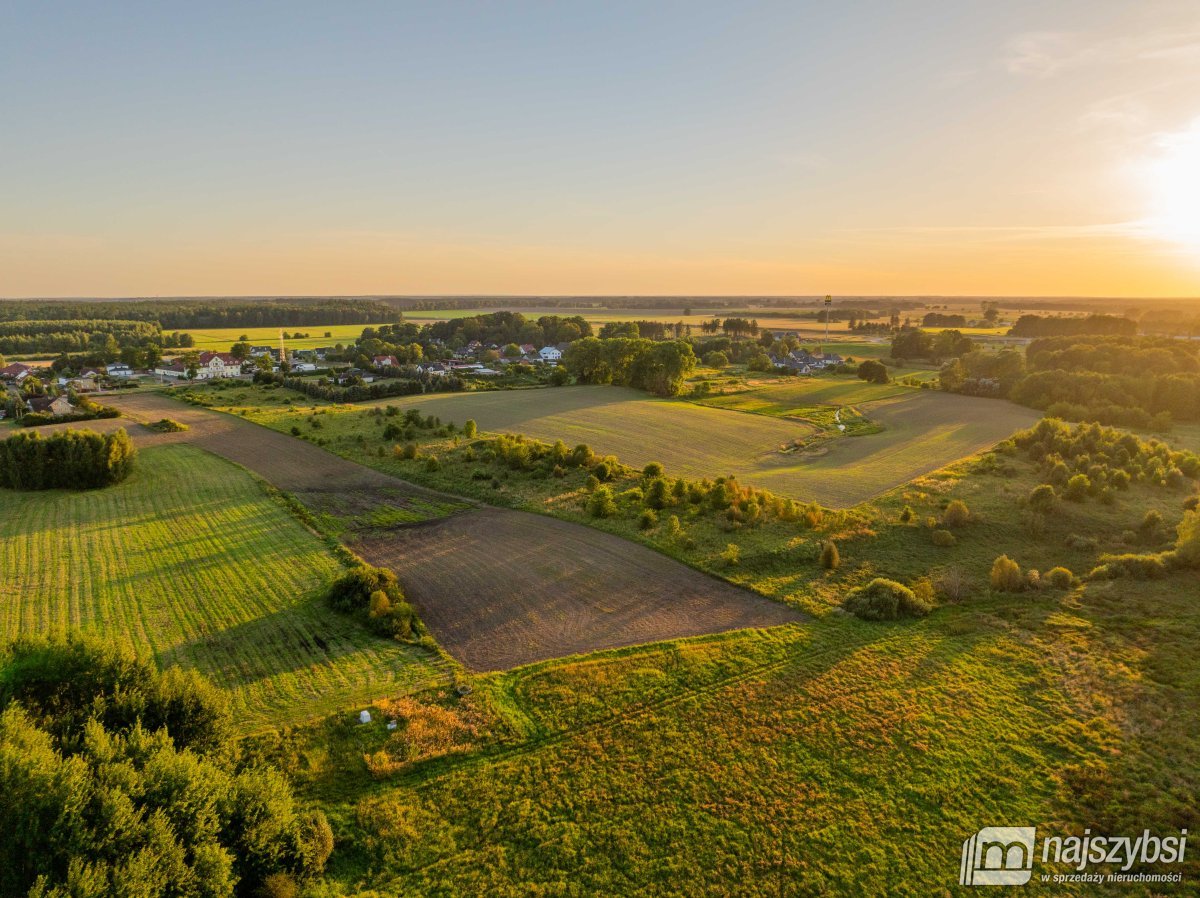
[(998, 856)]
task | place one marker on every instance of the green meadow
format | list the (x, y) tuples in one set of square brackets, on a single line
[(192, 563)]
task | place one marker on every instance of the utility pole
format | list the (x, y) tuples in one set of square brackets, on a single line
[(828, 303)]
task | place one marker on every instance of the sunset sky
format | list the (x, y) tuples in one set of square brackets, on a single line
[(994, 148)]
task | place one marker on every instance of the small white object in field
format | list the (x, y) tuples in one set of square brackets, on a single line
[(364, 716), (392, 724)]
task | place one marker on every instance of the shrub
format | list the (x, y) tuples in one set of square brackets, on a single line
[(715, 359), (603, 471), (407, 451), (1059, 578), (296, 431), (1134, 567), (652, 470), (831, 559), (907, 515), (658, 495), (647, 520), (954, 584), (944, 538), (470, 428), (1042, 497), (674, 528), (1006, 575), (883, 599), (1187, 544), (602, 504), (732, 555), (956, 514), (1077, 488), (1152, 529), (432, 464), (168, 425)]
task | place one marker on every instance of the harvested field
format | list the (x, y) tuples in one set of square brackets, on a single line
[(503, 588), (922, 431)]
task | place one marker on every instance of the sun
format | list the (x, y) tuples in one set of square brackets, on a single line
[(1172, 176)]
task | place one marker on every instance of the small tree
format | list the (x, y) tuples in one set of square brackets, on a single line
[(648, 520), (907, 515), (1059, 578), (601, 504), (470, 429), (1187, 545), (873, 372), (1006, 575), (831, 559)]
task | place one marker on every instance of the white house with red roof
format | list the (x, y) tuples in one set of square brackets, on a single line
[(385, 361), (209, 366)]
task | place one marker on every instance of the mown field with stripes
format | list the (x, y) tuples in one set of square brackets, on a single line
[(191, 562)]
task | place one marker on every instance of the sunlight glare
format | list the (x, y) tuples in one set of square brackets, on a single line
[(1173, 179)]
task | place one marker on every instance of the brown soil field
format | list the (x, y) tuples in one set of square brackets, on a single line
[(498, 588), (503, 588)]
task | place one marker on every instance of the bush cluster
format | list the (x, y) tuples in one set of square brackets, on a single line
[(376, 594), (72, 459), (883, 599)]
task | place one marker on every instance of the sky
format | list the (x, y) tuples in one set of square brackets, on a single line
[(793, 148)]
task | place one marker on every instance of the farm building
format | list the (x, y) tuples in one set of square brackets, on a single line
[(51, 405)]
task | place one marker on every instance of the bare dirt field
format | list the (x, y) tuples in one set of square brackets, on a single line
[(497, 587), (503, 588)]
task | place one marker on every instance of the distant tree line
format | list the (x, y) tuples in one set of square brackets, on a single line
[(941, 319), (914, 343), (1144, 382), (120, 780), (1042, 326), (509, 327), (658, 367), (209, 313), (90, 335), (72, 459)]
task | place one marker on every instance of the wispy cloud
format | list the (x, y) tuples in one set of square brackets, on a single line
[(1043, 54)]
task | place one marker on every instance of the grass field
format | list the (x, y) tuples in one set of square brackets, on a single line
[(836, 758), (220, 339), (191, 562), (921, 431)]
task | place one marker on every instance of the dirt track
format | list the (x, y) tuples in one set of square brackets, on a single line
[(498, 588)]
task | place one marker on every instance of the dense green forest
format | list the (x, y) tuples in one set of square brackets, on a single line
[(210, 313)]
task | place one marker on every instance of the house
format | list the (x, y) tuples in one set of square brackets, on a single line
[(90, 373), (528, 349), (437, 369), (15, 372), (550, 353), (58, 406), (170, 368), (263, 350), (303, 368), (385, 361), (351, 374), (120, 370), (83, 385), (218, 364)]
